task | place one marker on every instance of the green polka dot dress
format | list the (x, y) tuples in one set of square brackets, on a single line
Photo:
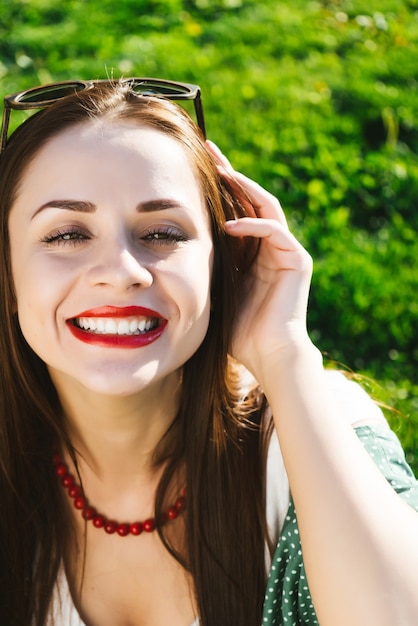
[(288, 601)]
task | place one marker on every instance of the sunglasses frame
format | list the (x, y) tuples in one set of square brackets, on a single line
[(171, 90)]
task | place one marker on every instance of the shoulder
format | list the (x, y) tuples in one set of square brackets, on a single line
[(384, 447), (353, 403)]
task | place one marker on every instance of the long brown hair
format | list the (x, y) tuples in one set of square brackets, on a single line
[(215, 437)]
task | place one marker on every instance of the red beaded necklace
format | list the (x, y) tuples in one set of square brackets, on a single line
[(101, 521)]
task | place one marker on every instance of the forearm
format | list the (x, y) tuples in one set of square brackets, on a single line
[(359, 539)]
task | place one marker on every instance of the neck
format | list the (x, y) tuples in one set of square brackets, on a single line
[(116, 436)]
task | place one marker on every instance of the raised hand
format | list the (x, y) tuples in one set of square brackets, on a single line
[(273, 318)]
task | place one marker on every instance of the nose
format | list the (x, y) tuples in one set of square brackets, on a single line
[(117, 266)]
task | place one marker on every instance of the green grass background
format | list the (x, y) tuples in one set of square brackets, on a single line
[(318, 101)]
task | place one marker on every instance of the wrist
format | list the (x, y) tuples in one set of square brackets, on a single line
[(295, 360)]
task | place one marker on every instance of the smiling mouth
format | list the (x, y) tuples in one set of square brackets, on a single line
[(132, 326)]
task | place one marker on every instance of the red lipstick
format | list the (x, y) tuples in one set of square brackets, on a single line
[(119, 311), (117, 327)]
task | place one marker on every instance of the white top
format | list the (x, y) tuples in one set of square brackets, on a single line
[(354, 405)]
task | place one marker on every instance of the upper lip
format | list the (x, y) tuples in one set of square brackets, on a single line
[(119, 312)]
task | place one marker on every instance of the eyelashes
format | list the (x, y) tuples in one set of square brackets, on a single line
[(154, 236), (163, 235), (66, 237)]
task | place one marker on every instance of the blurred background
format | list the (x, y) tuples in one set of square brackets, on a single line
[(318, 101)]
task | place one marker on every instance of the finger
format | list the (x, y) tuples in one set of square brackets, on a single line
[(265, 204), (219, 156), (277, 235)]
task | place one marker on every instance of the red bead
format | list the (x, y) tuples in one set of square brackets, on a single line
[(149, 525), (172, 513), (180, 502), (74, 491), (136, 528), (56, 459), (98, 521), (123, 530), (88, 513), (79, 503), (67, 480), (61, 469), (110, 527)]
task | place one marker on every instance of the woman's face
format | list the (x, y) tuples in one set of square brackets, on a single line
[(111, 257)]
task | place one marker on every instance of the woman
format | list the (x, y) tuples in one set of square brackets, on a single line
[(140, 480)]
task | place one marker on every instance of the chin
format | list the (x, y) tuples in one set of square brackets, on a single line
[(145, 380)]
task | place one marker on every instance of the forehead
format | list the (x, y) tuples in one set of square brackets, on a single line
[(113, 156)]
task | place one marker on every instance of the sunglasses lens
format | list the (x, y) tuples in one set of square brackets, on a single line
[(50, 94), (151, 88)]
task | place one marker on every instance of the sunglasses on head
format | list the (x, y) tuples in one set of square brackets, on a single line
[(45, 95)]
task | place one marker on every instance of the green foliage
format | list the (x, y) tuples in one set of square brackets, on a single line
[(318, 101)]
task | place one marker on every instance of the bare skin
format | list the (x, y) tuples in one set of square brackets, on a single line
[(131, 581)]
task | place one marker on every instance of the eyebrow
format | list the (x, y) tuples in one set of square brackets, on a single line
[(158, 205), (88, 207), (69, 205)]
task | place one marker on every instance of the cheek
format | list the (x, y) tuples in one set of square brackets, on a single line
[(195, 274), (31, 291), (38, 296)]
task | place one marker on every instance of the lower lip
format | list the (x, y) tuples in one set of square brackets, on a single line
[(117, 341)]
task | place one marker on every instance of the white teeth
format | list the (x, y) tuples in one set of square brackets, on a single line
[(123, 327), (111, 327), (115, 326), (100, 325)]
